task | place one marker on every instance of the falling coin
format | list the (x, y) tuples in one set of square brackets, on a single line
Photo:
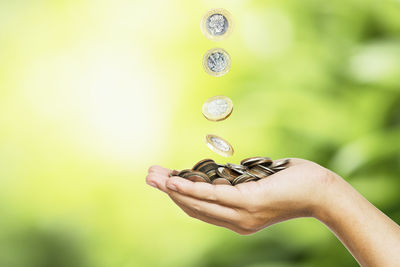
[(219, 145), (217, 108), (216, 62), (216, 24)]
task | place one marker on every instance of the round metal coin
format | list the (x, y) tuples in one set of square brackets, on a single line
[(216, 24), (197, 177), (201, 163), (221, 181), (217, 62), (174, 173), (219, 145), (217, 108)]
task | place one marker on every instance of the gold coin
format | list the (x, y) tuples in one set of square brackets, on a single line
[(216, 24), (219, 145), (217, 108), (217, 62)]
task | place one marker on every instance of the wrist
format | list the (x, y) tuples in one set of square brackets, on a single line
[(331, 196)]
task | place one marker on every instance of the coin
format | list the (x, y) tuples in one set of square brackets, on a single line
[(174, 173), (258, 172), (264, 162), (208, 167), (216, 24), (250, 169), (219, 145), (201, 163), (280, 163), (241, 178), (182, 172), (227, 173), (237, 168), (221, 181), (268, 170), (217, 108), (217, 62), (196, 177)]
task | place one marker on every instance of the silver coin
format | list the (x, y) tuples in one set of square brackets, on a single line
[(219, 145), (236, 167), (216, 24), (280, 163), (217, 62), (266, 169), (217, 108)]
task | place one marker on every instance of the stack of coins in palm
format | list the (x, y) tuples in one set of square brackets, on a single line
[(250, 169), (217, 25)]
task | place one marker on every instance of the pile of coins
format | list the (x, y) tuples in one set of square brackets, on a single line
[(250, 169), (216, 25)]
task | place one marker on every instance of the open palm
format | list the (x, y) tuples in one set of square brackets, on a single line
[(248, 207)]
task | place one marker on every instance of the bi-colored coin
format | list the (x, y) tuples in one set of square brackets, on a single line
[(217, 108), (216, 24), (217, 62), (219, 145)]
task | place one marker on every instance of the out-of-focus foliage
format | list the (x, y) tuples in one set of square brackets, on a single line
[(94, 92)]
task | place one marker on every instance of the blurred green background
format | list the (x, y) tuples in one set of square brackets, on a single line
[(94, 92)]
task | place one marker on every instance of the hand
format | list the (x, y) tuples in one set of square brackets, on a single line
[(297, 191)]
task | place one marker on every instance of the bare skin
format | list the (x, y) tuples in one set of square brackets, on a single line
[(305, 189)]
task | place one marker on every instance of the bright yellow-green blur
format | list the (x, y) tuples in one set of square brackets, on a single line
[(94, 92)]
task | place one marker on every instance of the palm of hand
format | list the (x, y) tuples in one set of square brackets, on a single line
[(249, 207)]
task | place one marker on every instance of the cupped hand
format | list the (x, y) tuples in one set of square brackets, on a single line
[(246, 208)]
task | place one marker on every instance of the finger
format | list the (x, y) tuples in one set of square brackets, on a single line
[(226, 195), (192, 213), (157, 180), (205, 208), (159, 169)]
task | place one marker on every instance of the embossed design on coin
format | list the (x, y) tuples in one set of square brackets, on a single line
[(217, 62), (216, 24), (217, 108), (219, 145)]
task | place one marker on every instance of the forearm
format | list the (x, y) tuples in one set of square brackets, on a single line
[(371, 236)]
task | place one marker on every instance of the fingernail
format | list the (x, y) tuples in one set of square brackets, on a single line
[(172, 187), (153, 184)]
